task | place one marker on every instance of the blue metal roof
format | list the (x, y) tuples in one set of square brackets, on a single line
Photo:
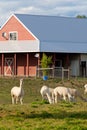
[(57, 34)]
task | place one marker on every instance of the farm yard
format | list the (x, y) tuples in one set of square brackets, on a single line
[(36, 114)]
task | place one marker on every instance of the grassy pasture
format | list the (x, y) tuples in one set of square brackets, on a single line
[(35, 114)]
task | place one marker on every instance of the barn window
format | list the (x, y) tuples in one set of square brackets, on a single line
[(13, 36)]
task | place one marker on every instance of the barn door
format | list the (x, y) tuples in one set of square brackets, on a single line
[(75, 67), (9, 66)]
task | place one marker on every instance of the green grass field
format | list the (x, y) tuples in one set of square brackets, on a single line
[(35, 114)]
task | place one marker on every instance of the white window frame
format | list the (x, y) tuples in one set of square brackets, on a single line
[(13, 37)]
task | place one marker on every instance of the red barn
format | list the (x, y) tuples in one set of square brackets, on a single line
[(23, 36), (17, 49)]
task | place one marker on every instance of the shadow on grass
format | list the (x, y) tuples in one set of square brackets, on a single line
[(56, 115)]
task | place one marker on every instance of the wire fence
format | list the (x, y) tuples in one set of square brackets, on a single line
[(54, 72)]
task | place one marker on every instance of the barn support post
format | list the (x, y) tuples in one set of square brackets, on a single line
[(15, 66), (2, 70), (39, 60), (38, 66), (54, 58), (27, 64), (37, 55), (67, 60)]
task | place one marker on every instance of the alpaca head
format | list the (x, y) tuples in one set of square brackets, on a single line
[(85, 86), (21, 80)]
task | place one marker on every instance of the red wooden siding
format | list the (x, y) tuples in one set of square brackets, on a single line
[(32, 70), (32, 64), (0, 64), (14, 25), (22, 68), (23, 64)]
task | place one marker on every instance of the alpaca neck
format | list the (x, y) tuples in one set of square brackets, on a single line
[(49, 98), (20, 84)]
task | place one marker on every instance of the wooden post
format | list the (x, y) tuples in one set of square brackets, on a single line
[(37, 55), (38, 64), (68, 73), (38, 60), (27, 64), (67, 60), (54, 58), (15, 67), (2, 70), (62, 73)]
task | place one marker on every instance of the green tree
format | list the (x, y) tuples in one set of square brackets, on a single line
[(81, 16), (45, 62)]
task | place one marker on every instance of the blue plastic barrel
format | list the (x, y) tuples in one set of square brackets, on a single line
[(45, 77)]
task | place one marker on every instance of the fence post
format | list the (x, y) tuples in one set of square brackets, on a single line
[(53, 72), (62, 73), (68, 73)]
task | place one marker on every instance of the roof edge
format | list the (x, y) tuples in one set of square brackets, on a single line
[(6, 21), (14, 15), (25, 27)]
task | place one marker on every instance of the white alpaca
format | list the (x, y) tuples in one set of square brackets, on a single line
[(62, 92), (46, 93), (85, 86), (75, 93), (17, 93), (66, 93)]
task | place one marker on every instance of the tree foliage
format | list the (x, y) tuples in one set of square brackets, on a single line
[(81, 16), (45, 62)]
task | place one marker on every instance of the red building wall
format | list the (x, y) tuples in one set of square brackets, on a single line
[(21, 58), (22, 65), (14, 25), (0, 63)]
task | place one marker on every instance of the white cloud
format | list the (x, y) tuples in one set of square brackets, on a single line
[(46, 7)]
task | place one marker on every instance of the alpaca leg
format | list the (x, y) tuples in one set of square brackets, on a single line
[(13, 100), (21, 101), (17, 100), (53, 98), (70, 97), (73, 99), (64, 97), (56, 98)]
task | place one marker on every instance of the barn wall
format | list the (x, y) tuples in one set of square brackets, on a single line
[(33, 61), (14, 25), (21, 64), (22, 69), (0, 64), (24, 66)]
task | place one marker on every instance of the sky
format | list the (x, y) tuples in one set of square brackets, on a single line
[(66, 8)]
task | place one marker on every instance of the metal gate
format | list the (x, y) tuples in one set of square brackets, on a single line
[(9, 67)]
